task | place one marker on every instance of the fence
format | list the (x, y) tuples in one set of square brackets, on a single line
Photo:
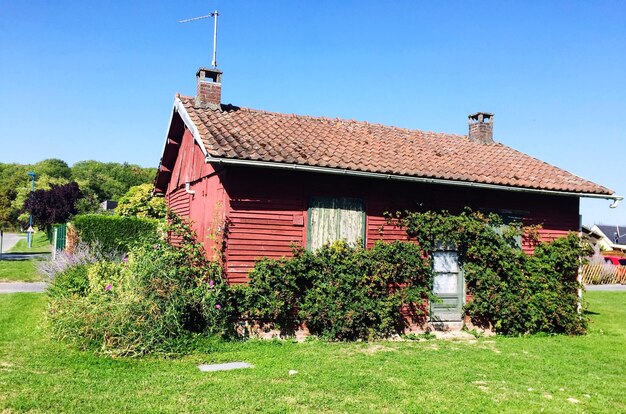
[(600, 274), (58, 239)]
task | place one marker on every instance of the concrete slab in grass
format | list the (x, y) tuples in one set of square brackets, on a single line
[(224, 367)]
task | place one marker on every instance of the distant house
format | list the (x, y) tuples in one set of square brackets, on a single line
[(613, 238), (254, 182), (108, 205)]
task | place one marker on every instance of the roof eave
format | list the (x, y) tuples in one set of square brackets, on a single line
[(341, 171)]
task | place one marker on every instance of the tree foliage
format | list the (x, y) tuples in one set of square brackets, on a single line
[(98, 181), (139, 202), (52, 167), (110, 180), (53, 206)]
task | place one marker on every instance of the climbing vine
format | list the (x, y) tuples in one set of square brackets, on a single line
[(512, 292)]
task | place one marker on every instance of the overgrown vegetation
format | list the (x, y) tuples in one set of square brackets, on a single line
[(346, 293), (339, 292), (513, 293), (155, 300), (158, 296), (113, 233)]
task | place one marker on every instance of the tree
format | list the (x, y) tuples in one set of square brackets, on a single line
[(110, 181), (140, 202), (12, 178), (43, 182), (53, 167), (53, 206)]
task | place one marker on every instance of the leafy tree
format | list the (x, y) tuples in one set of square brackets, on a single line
[(140, 202), (44, 182), (110, 181), (12, 177), (53, 167), (53, 206), (98, 181)]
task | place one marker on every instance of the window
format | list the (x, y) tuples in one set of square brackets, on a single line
[(333, 219), (508, 217)]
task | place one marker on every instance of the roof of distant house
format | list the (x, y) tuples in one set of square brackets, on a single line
[(230, 132), (616, 234)]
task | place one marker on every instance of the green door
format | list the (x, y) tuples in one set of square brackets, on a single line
[(448, 286)]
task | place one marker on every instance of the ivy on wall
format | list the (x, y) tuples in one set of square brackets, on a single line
[(512, 292)]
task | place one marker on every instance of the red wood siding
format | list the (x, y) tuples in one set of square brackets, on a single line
[(266, 210), (265, 203), (263, 224), (206, 203)]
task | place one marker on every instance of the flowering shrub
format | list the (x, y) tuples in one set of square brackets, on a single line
[(152, 302), (67, 273)]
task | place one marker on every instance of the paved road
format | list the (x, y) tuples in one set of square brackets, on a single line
[(9, 240), (16, 287), (24, 256), (606, 287)]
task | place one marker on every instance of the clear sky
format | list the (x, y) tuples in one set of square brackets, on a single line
[(96, 79)]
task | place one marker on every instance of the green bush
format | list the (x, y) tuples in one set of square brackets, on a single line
[(339, 292), (153, 302), (513, 292), (114, 233), (539, 295)]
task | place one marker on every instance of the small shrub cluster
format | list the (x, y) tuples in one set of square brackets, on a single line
[(339, 292), (68, 272), (513, 292), (154, 301), (114, 233)]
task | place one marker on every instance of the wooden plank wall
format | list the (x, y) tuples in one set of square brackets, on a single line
[(262, 228), (267, 210)]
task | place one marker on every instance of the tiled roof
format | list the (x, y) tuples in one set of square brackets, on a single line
[(247, 134)]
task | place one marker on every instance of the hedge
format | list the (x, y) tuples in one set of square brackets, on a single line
[(114, 233)]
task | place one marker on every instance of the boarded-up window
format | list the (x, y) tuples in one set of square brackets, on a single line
[(333, 219)]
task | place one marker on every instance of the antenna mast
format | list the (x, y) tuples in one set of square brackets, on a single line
[(214, 15)]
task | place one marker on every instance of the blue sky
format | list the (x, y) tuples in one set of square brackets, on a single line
[(96, 80)]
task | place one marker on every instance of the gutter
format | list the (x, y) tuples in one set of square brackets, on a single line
[(338, 171)]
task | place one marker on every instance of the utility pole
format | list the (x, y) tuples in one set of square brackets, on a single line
[(30, 231)]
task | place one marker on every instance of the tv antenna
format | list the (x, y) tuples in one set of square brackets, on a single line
[(214, 15)]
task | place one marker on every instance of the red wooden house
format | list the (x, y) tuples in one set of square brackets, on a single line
[(262, 181)]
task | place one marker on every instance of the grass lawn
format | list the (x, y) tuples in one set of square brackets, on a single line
[(533, 374), (19, 270), (41, 244)]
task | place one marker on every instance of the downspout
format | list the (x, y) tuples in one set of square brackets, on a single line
[(187, 190)]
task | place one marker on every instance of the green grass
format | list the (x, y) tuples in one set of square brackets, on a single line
[(40, 244), (533, 374), (19, 271)]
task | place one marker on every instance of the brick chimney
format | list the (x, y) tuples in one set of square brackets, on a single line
[(209, 92), (481, 127)]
